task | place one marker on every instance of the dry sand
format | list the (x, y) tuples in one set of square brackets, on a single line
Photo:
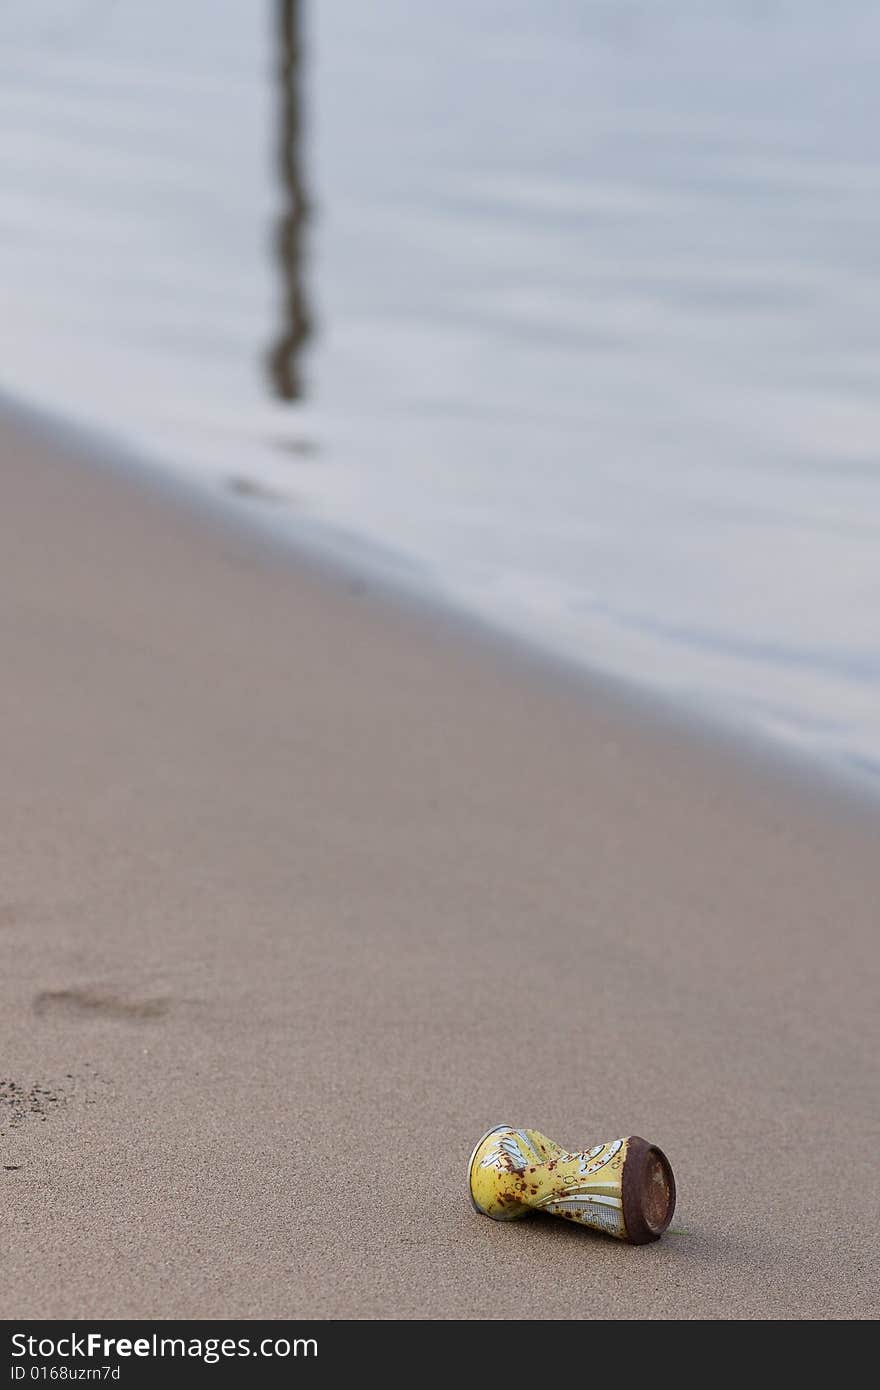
[(300, 892)]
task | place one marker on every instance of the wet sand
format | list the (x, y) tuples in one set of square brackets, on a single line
[(301, 891)]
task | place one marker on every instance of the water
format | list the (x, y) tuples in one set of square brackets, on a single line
[(568, 310)]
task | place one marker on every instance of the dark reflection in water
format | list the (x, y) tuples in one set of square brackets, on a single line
[(284, 357)]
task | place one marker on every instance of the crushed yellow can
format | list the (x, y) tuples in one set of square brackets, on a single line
[(624, 1187)]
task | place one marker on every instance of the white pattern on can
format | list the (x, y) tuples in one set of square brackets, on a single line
[(587, 1167)]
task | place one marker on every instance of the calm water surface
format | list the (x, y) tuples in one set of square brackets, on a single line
[(569, 311)]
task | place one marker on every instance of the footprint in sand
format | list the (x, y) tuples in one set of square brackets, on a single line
[(97, 1003), (20, 1102)]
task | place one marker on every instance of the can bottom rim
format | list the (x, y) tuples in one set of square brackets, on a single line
[(496, 1129)]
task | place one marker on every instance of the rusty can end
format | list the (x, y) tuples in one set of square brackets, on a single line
[(648, 1191)]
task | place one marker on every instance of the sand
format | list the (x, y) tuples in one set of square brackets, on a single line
[(301, 890)]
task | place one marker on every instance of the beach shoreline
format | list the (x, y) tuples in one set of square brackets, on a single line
[(304, 889), (336, 556)]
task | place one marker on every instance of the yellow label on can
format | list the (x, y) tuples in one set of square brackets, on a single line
[(514, 1171)]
